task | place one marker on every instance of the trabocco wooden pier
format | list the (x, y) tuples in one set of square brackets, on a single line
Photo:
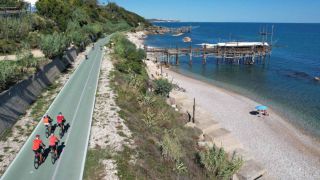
[(227, 53)]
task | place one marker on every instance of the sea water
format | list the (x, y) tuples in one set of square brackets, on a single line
[(286, 83)]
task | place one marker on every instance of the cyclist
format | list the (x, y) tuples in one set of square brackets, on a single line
[(60, 121), (47, 122), (38, 146), (53, 142)]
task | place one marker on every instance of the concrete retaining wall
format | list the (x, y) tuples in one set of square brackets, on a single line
[(15, 101)]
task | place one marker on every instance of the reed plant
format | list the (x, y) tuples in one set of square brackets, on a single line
[(216, 161)]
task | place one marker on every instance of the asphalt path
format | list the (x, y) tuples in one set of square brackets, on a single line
[(76, 102)]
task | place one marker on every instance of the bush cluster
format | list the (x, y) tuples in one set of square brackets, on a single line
[(162, 87), (13, 71), (216, 161), (130, 57), (53, 45)]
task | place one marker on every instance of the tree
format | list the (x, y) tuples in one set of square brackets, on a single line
[(58, 10)]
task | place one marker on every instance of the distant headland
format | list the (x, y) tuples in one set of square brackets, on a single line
[(163, 20)]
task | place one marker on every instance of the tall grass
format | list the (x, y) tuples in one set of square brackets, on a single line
[(216, 161)]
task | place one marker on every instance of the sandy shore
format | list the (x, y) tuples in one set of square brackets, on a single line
[(283, 150)]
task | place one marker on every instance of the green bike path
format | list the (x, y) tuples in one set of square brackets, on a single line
[(76, 102)]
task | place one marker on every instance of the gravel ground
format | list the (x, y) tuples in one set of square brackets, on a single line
[(108, 129)]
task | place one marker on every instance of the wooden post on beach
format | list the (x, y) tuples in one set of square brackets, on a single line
[(194, 110), (177, 56), (190, 58), (204, 54)]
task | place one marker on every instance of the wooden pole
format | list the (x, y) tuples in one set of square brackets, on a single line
[(177, 56), (161, 68), (194, 110), (204, 54), (190, 55)]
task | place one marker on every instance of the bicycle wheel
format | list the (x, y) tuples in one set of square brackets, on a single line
[(36, 162), (53, 157), (47, 132), (61, 132)]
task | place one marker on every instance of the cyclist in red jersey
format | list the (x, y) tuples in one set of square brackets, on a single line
[(60, 121), (53, 142), (38, 146)]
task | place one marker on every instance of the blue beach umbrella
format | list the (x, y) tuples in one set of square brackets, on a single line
[(261, 108)]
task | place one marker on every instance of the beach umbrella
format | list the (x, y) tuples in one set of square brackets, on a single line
[(261, 108)]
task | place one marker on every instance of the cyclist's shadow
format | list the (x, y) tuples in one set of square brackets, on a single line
[(53, 128), (60, 149), (66, 127), (46, 152)]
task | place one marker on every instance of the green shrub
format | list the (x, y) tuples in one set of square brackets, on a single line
[(42, 24), (122, 67), (7, 46), (110, 27), (94, 30), (162, 87), (215, 160), (130, 55), (80, 16), (78, 38), (8, 72), (171, 147), (33, 39), (13, 71), (149, 118), (57, 10), (14, 28), (53, 45)]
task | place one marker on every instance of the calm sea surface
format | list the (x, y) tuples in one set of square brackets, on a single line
[(286, 84)]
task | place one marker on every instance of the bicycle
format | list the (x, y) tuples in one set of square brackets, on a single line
[(48, 130), (37, 160), (54, 155), (61, 130)]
